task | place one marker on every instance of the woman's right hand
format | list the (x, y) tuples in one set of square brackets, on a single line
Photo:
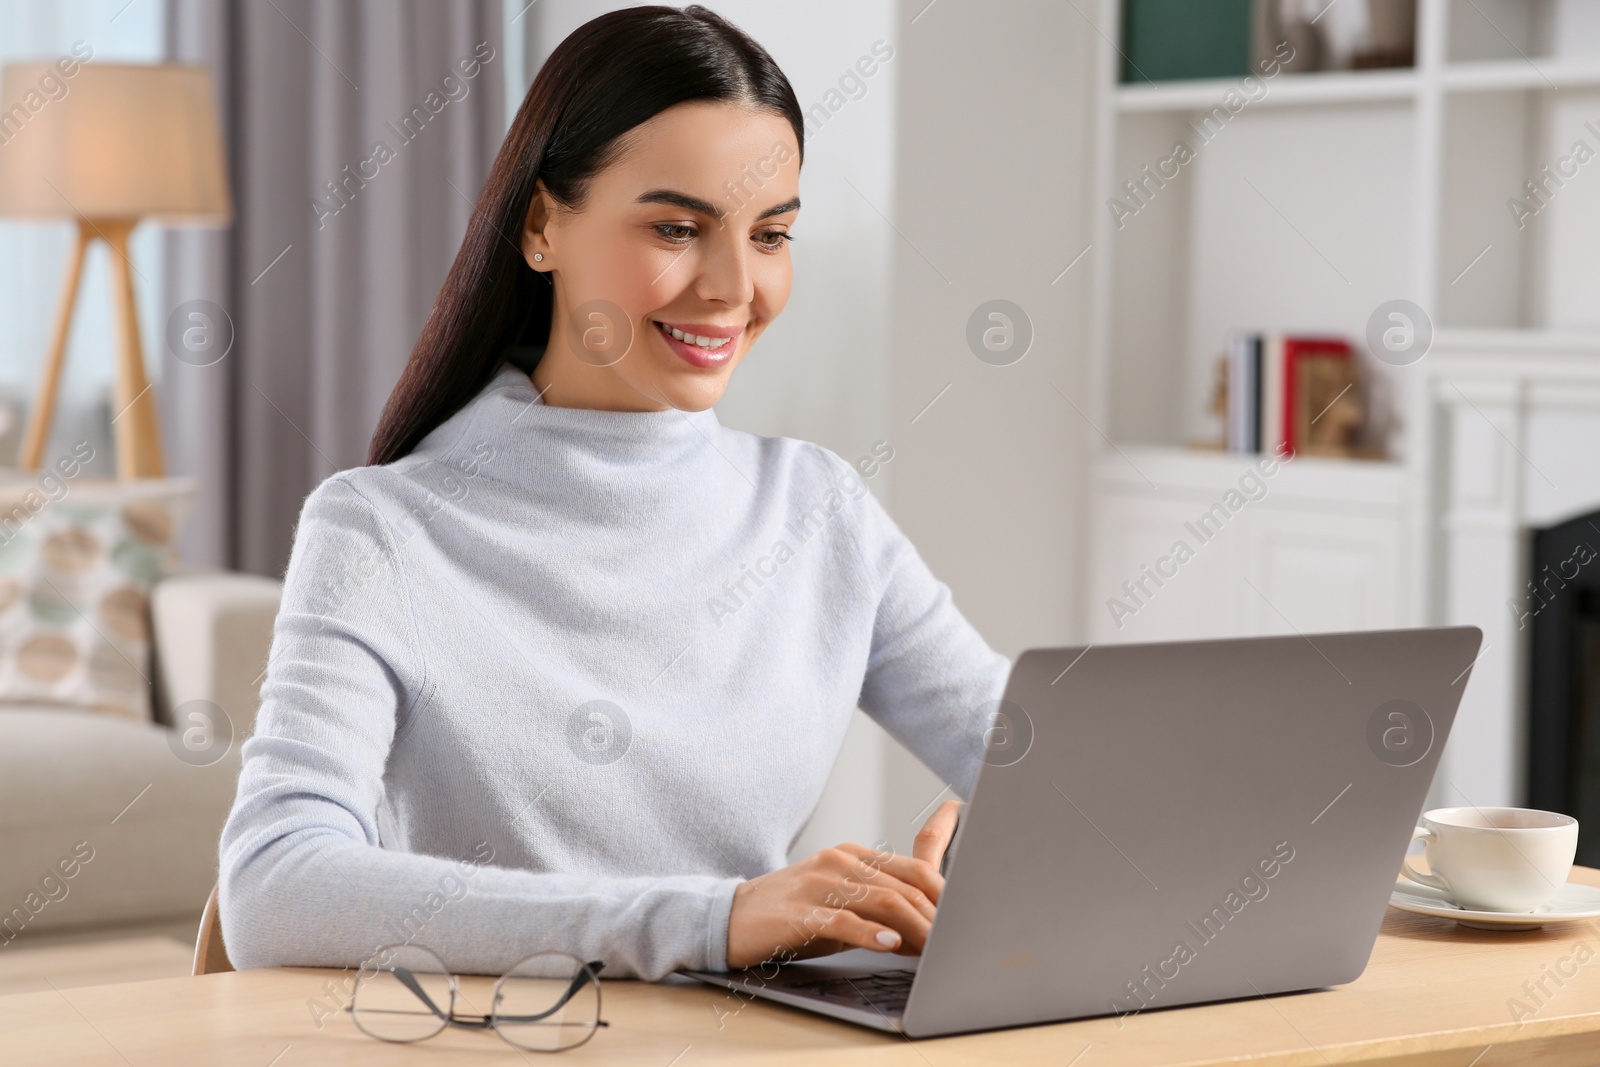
[(846, 897)]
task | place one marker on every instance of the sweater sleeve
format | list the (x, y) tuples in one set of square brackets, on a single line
[(304, 879), (931, 681)]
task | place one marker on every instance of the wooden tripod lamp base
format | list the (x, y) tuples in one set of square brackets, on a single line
[(138, 430)]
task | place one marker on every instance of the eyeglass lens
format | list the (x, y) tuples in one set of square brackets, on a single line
[(404, 993)]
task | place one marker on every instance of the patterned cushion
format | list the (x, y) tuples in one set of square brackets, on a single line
[(77, 560)]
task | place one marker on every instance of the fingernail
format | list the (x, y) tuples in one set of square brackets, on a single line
[(888, 939)]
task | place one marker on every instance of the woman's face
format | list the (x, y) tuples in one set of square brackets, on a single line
[(683, 230)]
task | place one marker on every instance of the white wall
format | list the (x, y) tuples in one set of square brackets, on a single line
[(994, 144)]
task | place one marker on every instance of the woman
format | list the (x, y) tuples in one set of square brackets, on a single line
[(567, 666)]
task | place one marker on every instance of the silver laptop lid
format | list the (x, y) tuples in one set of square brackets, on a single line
[(1186, 822)]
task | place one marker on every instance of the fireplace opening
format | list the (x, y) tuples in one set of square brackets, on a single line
[(1561, 607)]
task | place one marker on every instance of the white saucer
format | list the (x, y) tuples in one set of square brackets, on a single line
[(1573, 901)]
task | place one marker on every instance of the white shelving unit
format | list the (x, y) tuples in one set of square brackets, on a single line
[(1323, 196)]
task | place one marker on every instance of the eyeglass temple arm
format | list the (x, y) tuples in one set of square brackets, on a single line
[(579, 980), (411, 983)]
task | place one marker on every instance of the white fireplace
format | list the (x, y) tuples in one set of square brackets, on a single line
[(1510, 431)]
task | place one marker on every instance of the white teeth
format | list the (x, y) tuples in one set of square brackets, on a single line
[(694, 339)]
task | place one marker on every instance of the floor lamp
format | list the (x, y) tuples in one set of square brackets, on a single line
[(108, 145)]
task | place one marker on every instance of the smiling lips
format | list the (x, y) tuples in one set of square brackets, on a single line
[(700, 344)]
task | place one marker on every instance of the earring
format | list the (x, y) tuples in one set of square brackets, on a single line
[(538, 257)]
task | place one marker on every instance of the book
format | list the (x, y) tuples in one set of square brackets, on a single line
[(1243, 430), (1254, 360), (1273, 430), (1316, 374), (1163, 40)]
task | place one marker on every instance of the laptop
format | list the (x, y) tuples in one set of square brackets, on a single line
[(1188, 822)]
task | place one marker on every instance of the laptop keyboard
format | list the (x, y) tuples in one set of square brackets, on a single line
[(885, 991)]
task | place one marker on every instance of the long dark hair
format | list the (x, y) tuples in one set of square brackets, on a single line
[(610, 75)]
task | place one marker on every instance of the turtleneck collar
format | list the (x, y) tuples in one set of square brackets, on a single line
[(532, 438)]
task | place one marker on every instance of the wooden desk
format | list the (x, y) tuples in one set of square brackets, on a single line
[(1433, 994)]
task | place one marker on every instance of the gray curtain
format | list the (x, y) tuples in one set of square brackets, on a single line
[(326, 292)]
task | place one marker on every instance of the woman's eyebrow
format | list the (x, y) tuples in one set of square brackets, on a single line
[(705, 207), (792, 204)]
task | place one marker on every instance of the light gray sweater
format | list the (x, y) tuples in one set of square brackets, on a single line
[(561, 678)]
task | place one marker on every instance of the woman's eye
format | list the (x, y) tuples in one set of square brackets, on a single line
[(682, 233), (664, 230)]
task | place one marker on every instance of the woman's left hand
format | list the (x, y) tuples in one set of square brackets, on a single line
[(934, 837)]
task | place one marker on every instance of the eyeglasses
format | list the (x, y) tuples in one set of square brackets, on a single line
[(548, 1002)]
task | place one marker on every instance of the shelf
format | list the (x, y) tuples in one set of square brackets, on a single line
[(1536, 73), (1286, 90), (1363, 86), (1165, 470)]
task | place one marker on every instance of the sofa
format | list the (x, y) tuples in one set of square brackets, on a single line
[(108, 826)]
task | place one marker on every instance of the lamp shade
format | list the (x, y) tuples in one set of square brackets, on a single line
[(112, 141)]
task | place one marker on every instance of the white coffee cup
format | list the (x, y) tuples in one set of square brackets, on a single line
[(1496, 859)]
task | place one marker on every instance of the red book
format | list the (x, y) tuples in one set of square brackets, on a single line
[(1296, 349)]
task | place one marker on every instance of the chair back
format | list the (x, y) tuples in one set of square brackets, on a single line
[(210, 954)]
